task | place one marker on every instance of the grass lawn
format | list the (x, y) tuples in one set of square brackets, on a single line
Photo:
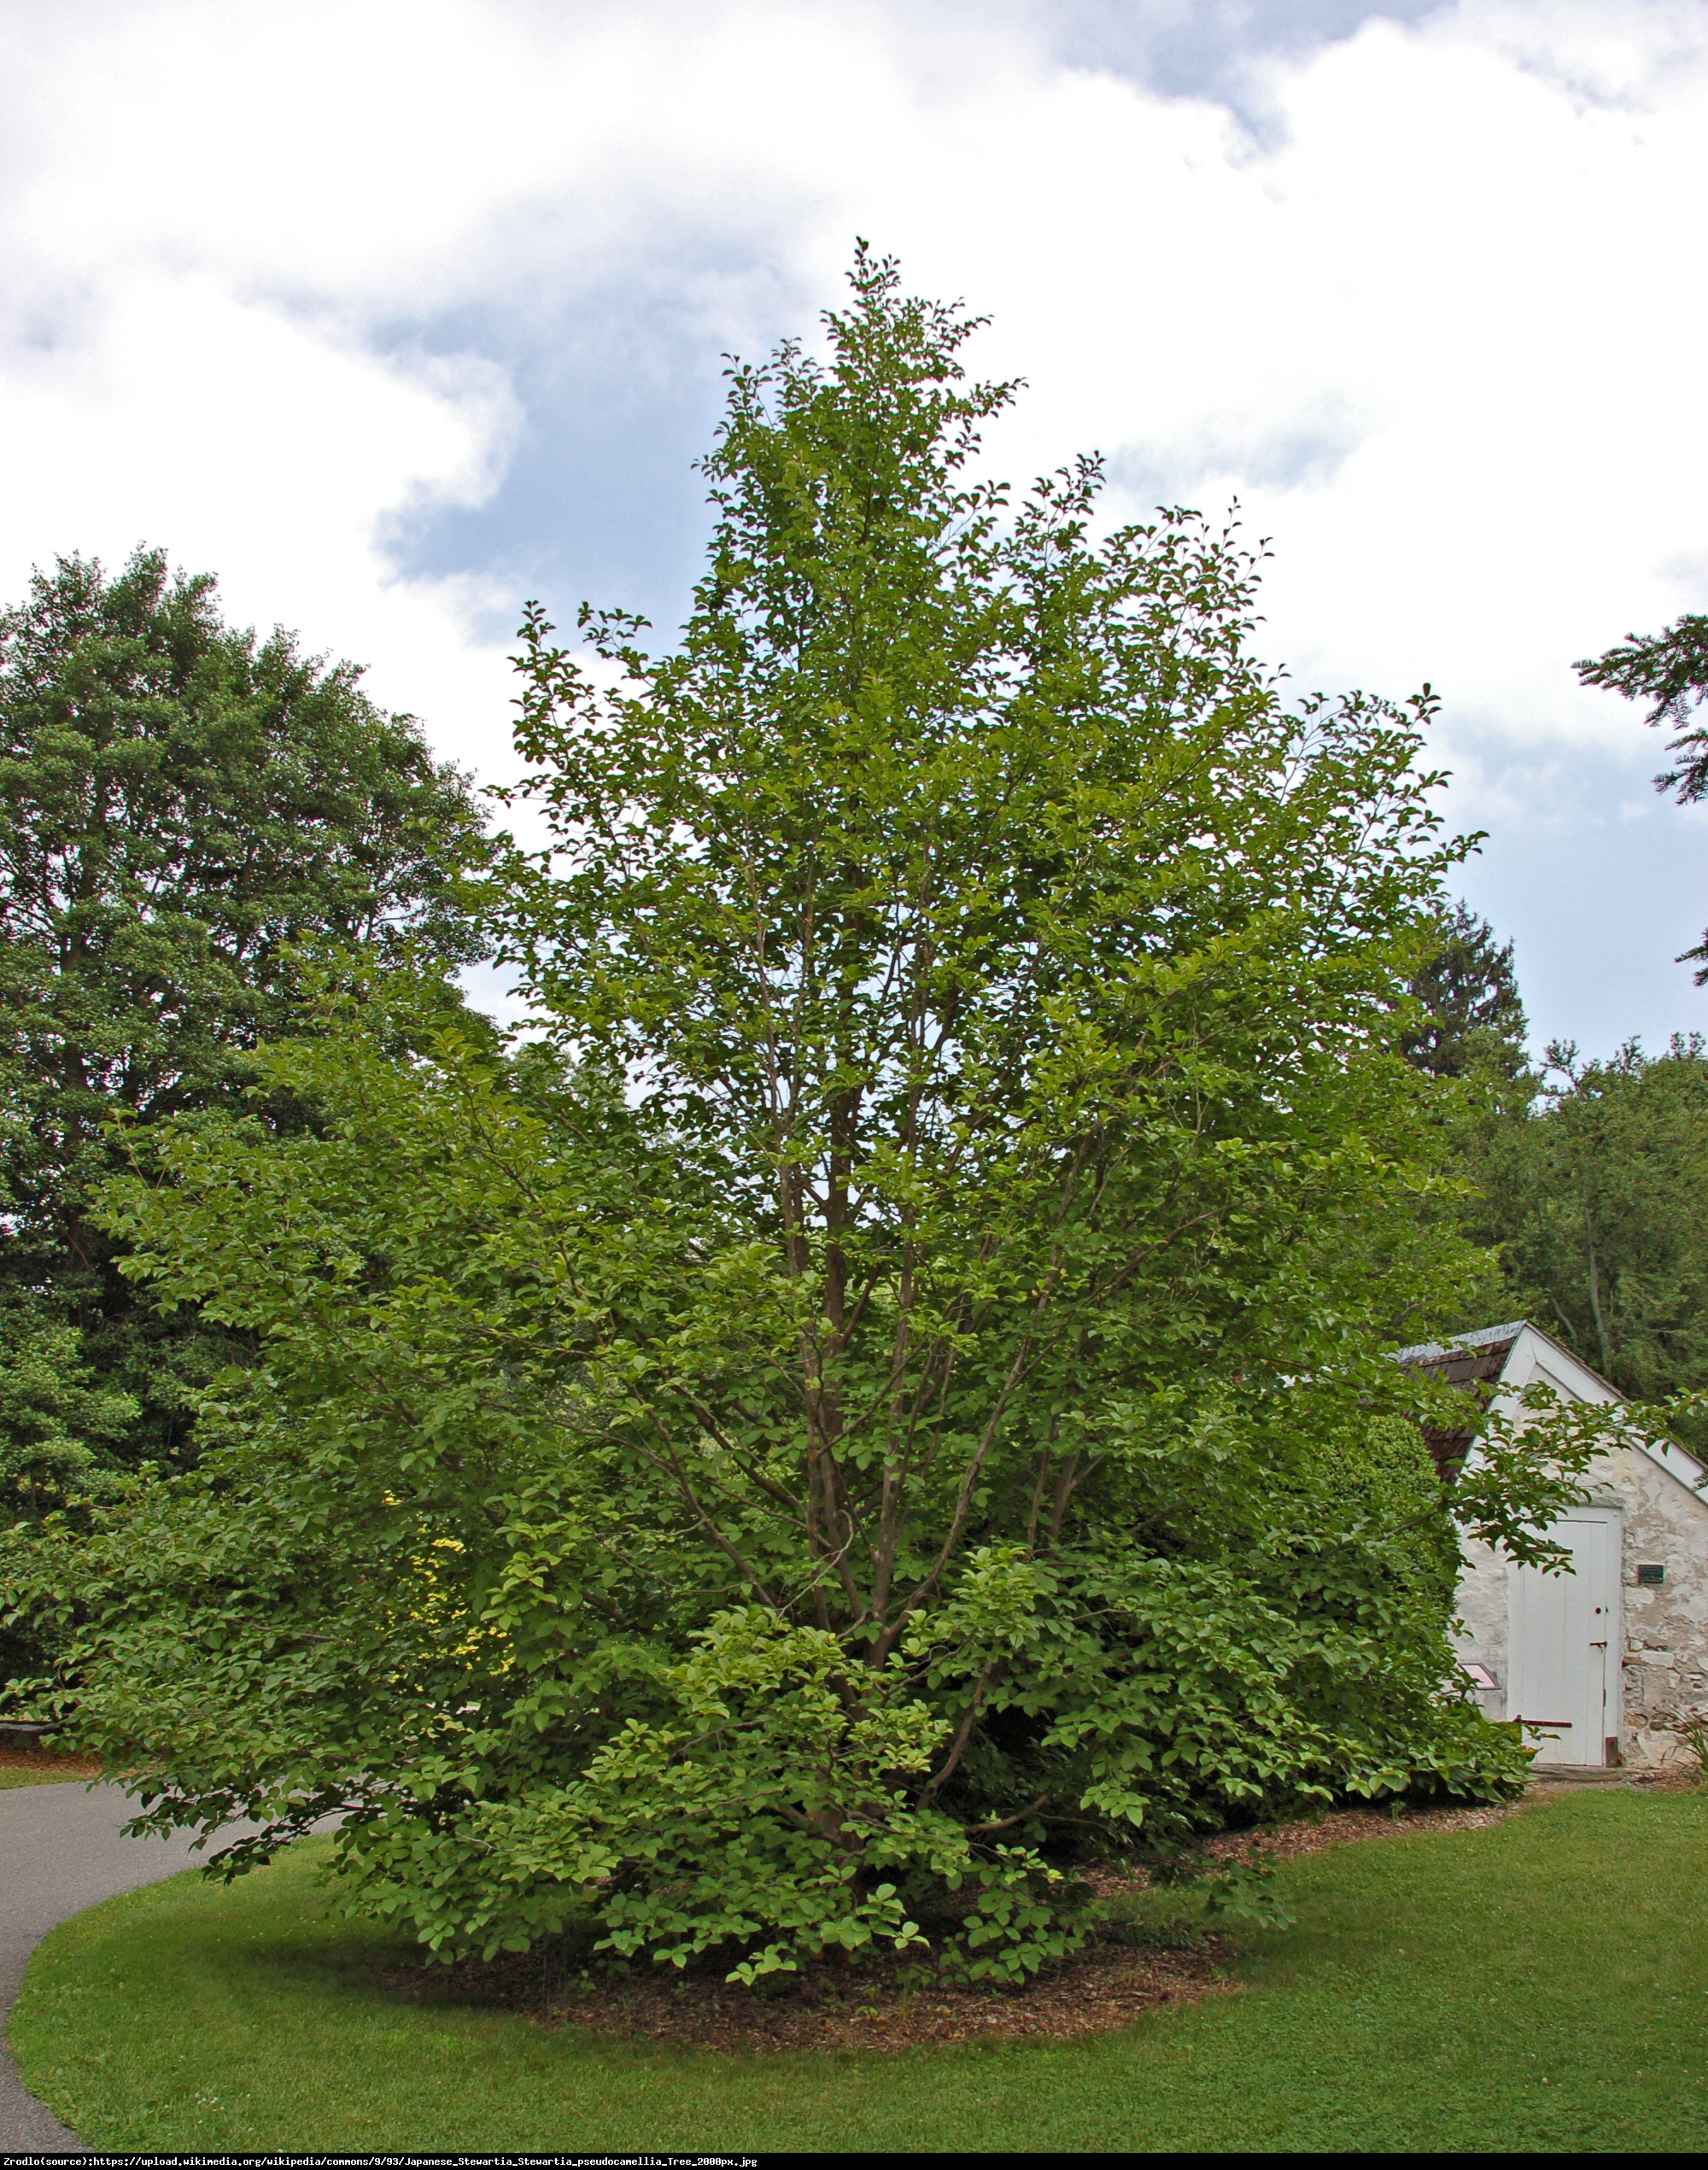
[(1540, 1986)]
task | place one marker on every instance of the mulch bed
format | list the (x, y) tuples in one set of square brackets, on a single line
[(839, 2007), (45, 1762), (1287, 1842)]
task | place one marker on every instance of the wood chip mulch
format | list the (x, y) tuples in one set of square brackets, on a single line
[(45, 1762), (833, 2008), (1287, 1842)]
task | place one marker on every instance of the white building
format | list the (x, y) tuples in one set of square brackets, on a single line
[(1607, 1664)]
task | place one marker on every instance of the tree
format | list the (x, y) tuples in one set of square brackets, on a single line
[(59, 1429), (1473, 1016), (182, 807), (1598, 1195), (1669, 670), (889, 1415)]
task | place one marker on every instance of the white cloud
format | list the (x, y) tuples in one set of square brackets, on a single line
[(1440, 329), (264, 447)]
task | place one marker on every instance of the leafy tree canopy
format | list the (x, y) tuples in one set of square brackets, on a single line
[(182, 807), (1597, 1192), (877, 1404), (1473, 1015)]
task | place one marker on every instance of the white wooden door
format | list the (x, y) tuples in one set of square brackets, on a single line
[(1567, 1643)]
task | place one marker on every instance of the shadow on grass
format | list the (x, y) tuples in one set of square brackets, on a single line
[(1539, 1987), (1153, 1954)]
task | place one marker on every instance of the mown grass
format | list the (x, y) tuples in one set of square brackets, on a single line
[(1538, 1986)]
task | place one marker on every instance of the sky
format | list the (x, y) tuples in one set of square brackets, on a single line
[(396, 315)]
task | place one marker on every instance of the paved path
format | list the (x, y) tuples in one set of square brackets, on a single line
[(62, 1849)]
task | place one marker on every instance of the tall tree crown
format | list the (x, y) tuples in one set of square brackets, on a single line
[(902, 1407), (180, 805)]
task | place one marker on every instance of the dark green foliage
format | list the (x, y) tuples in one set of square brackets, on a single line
[(54, 1416), (58, 1431), (182, 807), (1596, 1187), (1473, 1016), (451, 1560), (1384, 1476), (1669, 670)]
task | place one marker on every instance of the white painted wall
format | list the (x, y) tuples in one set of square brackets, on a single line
[(1665, 1523)]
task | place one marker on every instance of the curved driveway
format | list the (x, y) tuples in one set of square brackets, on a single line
[(62, 1849)]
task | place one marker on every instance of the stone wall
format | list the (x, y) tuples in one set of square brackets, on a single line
[(1665, 1627), (1484, 1637)]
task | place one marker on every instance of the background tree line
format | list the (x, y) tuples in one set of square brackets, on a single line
[(1591, 1177)]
